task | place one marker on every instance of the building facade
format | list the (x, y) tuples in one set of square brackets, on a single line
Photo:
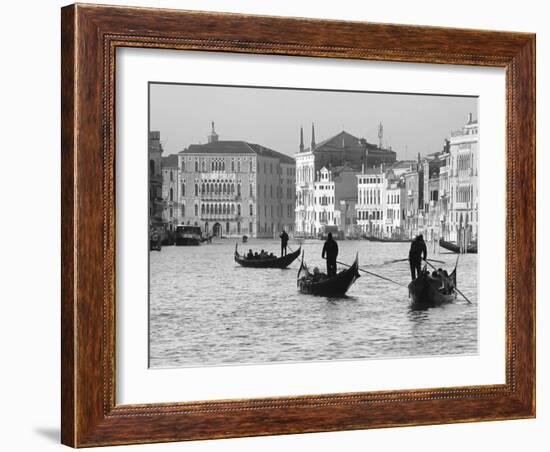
[(463, 213), (170, 191), (342, 150), (236, 188), (370, 207), (156, 201)]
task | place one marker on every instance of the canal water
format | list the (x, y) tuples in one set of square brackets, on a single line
[(204, 309)]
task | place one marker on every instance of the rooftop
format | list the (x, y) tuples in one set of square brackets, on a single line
[(170, 161), (236, 147)]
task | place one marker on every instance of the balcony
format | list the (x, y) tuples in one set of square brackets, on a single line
[(217, 198), (220, 217)]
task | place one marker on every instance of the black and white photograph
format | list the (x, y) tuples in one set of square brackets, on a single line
[(296, 225)]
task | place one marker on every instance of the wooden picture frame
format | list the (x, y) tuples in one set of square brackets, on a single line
[(90, 35)]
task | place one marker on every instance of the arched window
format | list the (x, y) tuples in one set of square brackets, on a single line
[(203, 166), (182, 164), (232, 166), (196, 210), (183, 210), (171, 194), (202, 188), (196, 166), (227, 228), (171, 176), (239, 209), (196, 189), (183, 189), (232, 209), (238, 189), (251, 209), (151, 167)]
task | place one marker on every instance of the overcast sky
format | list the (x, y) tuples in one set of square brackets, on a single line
[(272, 117)]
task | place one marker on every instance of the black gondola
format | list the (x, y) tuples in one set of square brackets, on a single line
[(336, 285), (428, 292), (470, 249), (266, 262)]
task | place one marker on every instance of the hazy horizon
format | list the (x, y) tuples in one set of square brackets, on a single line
[(272, 117)]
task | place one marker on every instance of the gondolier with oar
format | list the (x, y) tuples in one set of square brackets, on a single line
[(284, 242), (417, 253), (330, 250)]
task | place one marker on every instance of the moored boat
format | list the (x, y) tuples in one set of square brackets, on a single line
[(321, 284), (470, 249), (188, 235), (428, 292), (266, 262)]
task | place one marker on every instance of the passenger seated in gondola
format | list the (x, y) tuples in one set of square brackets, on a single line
[(317, 275), (263, 254), (256, 255), (271, 256), (250, 255)]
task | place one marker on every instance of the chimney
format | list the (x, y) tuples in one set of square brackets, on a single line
[(470, 116)]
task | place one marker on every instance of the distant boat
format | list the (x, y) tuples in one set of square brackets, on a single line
[(188, 235), (371, 238), (336, 285), (155, 241), (266, 262), (470, 249), (428, 292)]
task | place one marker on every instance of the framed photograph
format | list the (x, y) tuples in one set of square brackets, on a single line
[(282, 225)]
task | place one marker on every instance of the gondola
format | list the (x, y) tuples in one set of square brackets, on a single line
[(470, 249), (334, 286), (428, 292), (277, 262)]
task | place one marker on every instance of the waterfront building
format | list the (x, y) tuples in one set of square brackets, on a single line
[(331, 187), (463, 214), (414, 189), (170, 191), (156, 202), (236, 188), (394, 212), (371, 193), (340, 150)]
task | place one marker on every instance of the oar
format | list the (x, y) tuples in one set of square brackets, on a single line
[(456, 288), (406, 259), (373, 274)]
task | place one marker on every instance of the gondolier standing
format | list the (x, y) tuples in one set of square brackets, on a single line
[(330, 250), (284, 242), (417, 252)]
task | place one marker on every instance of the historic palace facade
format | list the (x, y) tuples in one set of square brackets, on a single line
[(236, 188), (338, 158)]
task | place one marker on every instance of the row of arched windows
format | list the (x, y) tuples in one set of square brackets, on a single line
[(217, 165), (217, 188), (465, 161), (464, 194), (369, 196), (220, 209)]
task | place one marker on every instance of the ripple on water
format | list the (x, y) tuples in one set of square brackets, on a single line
[(206, 310)]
